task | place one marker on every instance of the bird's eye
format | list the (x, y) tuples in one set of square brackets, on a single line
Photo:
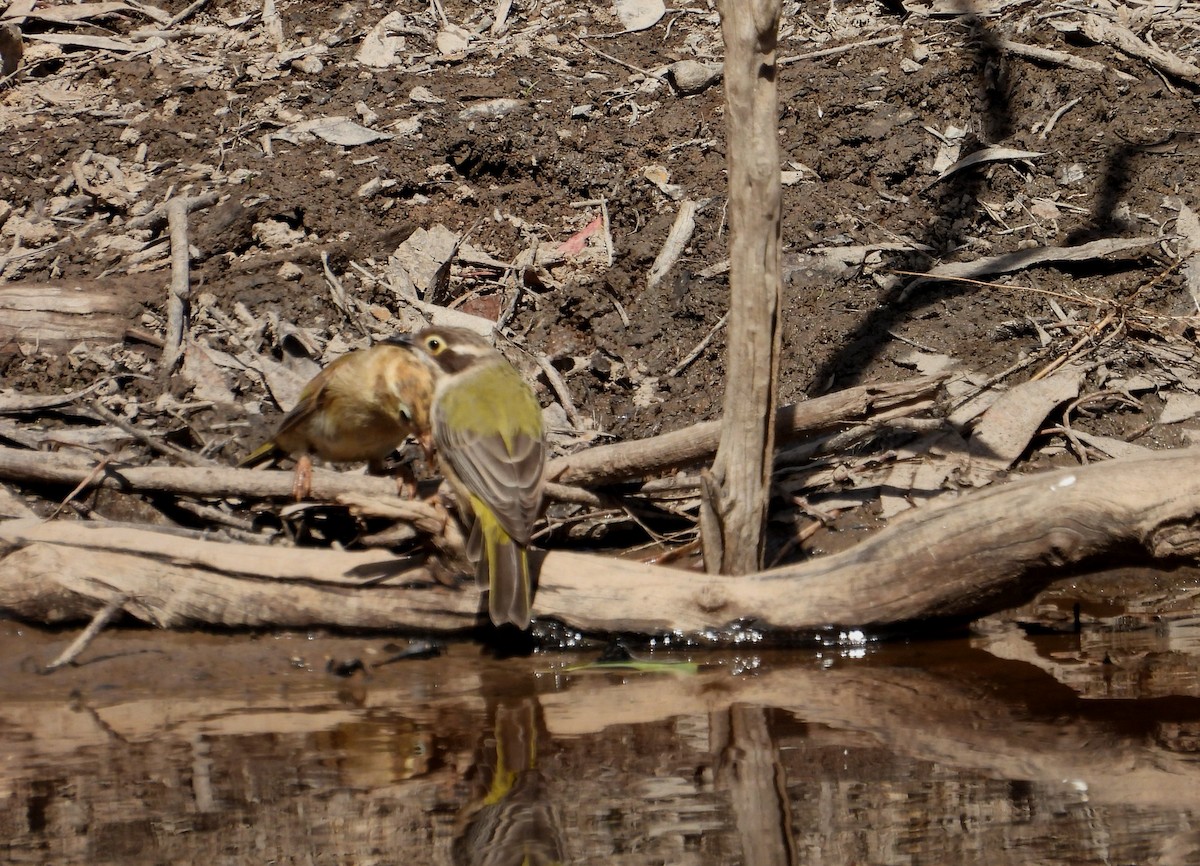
[(433, 344)]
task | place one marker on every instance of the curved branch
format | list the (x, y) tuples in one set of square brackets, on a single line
[(950, 561)]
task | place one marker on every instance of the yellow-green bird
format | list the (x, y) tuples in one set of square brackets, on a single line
[(360, 407), (487, 426), (513, 819)]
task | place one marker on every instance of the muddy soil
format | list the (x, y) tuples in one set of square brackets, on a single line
[(593, 127), (859, 131)]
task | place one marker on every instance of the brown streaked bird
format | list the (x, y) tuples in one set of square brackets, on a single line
[(487, 426), (360, 407)]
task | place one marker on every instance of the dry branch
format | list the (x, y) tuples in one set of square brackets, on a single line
[(951, 561), (604, 465), (1060, 58), (180, 293), (61, 313), (608, 464), (102, 618), (1017, 260), (1125, 40), (171, 581), (214, 481), (733, 512)]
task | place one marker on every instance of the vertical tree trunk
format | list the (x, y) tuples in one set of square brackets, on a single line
[(750, 770), (738, 488)]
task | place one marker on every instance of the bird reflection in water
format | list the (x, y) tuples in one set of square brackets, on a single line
[(511, 820)]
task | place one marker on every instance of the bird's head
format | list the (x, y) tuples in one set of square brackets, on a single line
[(451, 349)]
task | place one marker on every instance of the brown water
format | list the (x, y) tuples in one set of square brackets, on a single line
[(1001, 749)]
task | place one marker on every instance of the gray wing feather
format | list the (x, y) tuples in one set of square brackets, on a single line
[(510, 484)]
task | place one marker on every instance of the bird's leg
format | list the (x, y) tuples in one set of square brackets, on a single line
[(406, 478), (406, 482), (302, 483), (426, 443), (450, 539)]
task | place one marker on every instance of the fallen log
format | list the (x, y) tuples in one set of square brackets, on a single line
[(951, 561), (57, 315), (606, 464)]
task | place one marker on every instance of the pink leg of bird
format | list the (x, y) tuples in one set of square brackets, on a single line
[(302, 483)]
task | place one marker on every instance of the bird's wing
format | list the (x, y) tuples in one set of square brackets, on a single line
[(508, 482), (312, 399), (285, 440)]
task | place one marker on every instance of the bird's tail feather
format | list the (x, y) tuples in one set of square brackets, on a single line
[(505, 565), (259, 455)]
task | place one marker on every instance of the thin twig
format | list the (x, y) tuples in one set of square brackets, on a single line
[(991, 381), (617, 60), (86, 482), (516, 278), (561, 391), (700, 347), (234, 527), (341, 299), (1087, 338), (180, 293), (841, 49), (1056, 115), (906, 340), (187, 12), (102, 618), (152, 442)]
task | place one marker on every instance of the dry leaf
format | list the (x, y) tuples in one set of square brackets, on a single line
[(639, 14), (660, 176), (380, 46), (453, 41), (201, 370), (1179, 407), (1020, 259), (413, 268), (673, 247), (920, 472), (1005, 430), (491, 109), (1116, 448), (338, 129), (987, 154)]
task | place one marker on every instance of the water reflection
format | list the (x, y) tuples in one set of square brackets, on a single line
[(921, 754), (511, 818)]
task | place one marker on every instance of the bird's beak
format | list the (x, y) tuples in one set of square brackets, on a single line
[(405, 340)]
